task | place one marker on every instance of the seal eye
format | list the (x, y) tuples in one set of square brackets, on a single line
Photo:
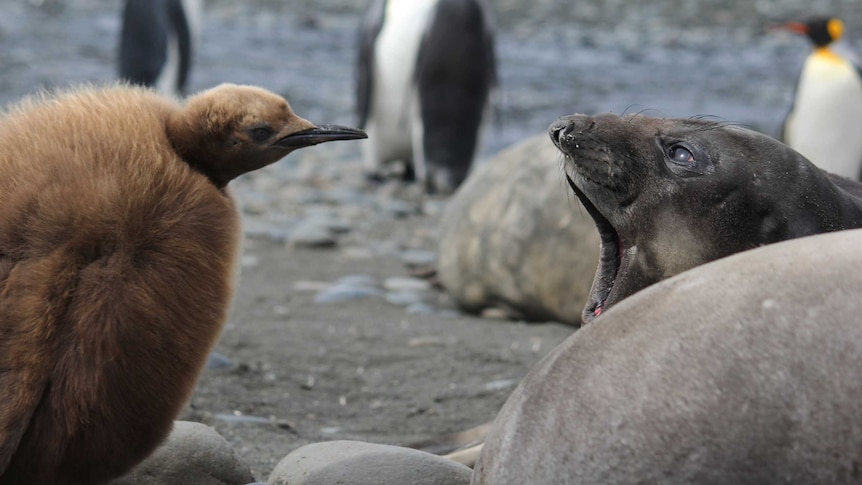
[(681, 155), (685, 159), (260, 133)]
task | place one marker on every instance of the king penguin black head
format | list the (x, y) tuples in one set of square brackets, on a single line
[(821, 31)]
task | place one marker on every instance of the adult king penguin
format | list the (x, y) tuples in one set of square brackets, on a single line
[(823, 124), (157, 42), (118, 245), (425, 74)]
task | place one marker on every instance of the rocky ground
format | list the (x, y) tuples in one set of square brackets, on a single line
[(329, 338)]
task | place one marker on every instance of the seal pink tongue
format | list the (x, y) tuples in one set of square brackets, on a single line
[(598, 311)]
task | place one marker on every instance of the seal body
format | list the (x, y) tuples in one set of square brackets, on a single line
[(670, 194), (822, 123), (743, 370), (426, 69), (118, 242), (157, 42)]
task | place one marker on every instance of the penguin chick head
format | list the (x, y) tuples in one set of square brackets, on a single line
[(229, 130), (821, 31)]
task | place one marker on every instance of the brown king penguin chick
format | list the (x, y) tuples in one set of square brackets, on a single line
[(117, 247)]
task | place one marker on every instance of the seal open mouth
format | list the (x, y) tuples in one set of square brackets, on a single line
[(610, 258), (575, 137)]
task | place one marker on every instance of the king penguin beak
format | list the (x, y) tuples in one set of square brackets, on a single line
[(795, 27), (319, 134)]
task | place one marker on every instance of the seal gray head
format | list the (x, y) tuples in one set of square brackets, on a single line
[(744, 370), (426, 69), (671, 194)]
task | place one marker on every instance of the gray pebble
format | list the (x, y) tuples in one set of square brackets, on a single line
[(397, 208), (256, 207), (406, 283), (358, 463), (218, 361), (421, 309), (426, 309), (254, 202), (408, 297), (192, 453), (434, 207), (418, 257), (242, 419), (311, 233), (341, 293), (338, 226), (346, 196), (500, 384), (330, 221), (324, 216), (357, 280), (264, 230), (249, 261)]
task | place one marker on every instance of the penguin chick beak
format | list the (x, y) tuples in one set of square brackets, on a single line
[(317, 135)]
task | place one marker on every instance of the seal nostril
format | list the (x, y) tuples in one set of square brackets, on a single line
[(592, 125), (559, 130), (562, 132)]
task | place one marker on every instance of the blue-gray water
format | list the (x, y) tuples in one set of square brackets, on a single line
[(670, 57)]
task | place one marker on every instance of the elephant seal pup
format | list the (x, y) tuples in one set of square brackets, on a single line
[(743, 370), (671, 194)]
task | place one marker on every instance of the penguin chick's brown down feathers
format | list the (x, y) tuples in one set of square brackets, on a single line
[(117, 248)]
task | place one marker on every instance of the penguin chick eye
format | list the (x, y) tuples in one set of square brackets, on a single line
[(681, 155), (260, 133)]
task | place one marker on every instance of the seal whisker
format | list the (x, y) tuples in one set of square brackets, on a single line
[(628, 108), (635, 116), (712, 122), (563, 159)]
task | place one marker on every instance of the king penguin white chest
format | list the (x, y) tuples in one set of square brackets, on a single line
[(825, 124), (169, 77), (397, 46)]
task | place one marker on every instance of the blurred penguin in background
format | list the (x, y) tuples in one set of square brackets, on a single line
[(426, 71), (157, 43), (825, 122)]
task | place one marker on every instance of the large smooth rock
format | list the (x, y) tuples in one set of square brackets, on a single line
[(515, 236), (193, 454), (358, 463), (744, 370)]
